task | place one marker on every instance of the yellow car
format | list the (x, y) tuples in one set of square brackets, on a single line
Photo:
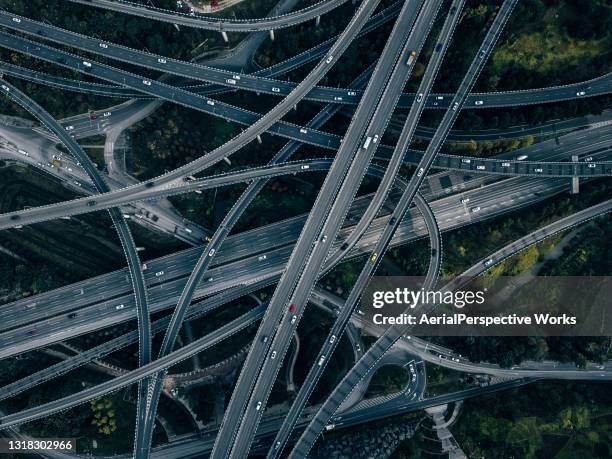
[(374, 257)]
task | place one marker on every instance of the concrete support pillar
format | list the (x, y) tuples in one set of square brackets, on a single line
[(318, 21), (295, 107), (272, 35), (259, 139), (224, 35)]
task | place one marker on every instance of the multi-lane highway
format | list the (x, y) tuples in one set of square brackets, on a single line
[(294, 253), (451, 213), (339, 394), (368, 216)]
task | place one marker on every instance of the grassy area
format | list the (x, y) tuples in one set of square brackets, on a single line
[(545, 51), (559, 420)]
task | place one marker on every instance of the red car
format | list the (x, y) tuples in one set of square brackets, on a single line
[(292, 308)]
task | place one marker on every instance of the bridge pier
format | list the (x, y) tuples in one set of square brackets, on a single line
[(272, 35), (318, 21), (224, 35), (259, 139)]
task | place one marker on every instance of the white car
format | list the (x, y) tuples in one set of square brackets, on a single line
[(588, 159), (580, 93), (420, 172), (591, 165), (439, 97), (261, 258), (455, 106), (352, 93), (538, 169), (87, 64), (475, 209), (303, 131), (159, 273), (103, 45), (465, 200), (146, 82), (480, 168), (478, 102), (77, 183), (321, 360), (258, 406), (304, 167), (466, 160), (210, 102), (17, 20), (489, 262), (161, 60), (230, 81), (293, 319), (211, 253), (338, 99), (273, 355), (236, 77), (23, 152), (332, 339), (106, 114), (419, 97), (120, 306), (329, 59), (375, 139), (275, 89), (505, 164), (5, 87)]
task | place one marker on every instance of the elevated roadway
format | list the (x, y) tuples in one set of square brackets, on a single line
[(208, 254), (216, 23), (380, 196), (106, 292), (123, 231), (317, 424), (244, 411), (260, 81)]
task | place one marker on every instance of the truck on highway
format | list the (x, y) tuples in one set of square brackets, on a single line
[(411, 58), (522, 157), (367, 142)]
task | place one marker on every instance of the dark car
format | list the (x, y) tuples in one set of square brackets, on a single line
[(91, 203), (292, 308), (31, 332), (344, 246), (72, 315), (149, 184), (392, 221), (14, 217), (438, 47)]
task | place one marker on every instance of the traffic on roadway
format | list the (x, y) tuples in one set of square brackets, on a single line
[(375, 170)]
